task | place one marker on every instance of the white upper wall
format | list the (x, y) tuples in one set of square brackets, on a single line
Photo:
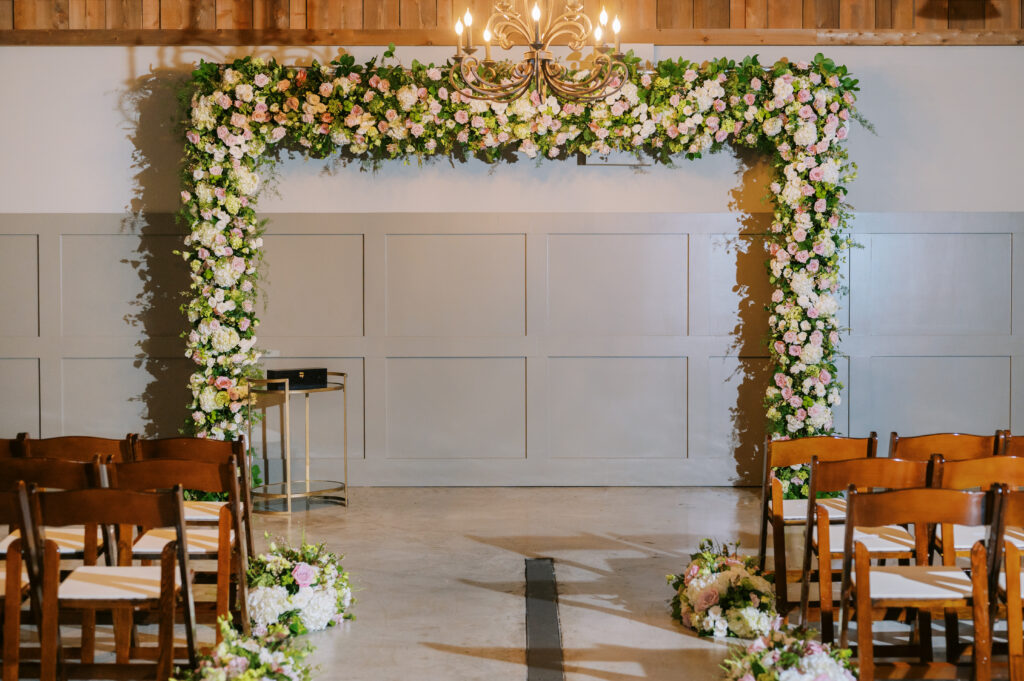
[(80, 133)]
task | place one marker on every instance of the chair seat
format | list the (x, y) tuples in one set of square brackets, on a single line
[(203, 511), (3, 577), (795, 510), (69, 539), (891, 539), (965, 536), (201, 541), (127, 583), (919, 582)]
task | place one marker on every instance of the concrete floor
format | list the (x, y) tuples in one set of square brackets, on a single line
[(438, 574)]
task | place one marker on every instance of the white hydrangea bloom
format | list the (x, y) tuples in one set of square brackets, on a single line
[(267, 604)]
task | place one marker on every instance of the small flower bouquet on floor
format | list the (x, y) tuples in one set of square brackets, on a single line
[(304, 589), (723, 594), (272, 657), (789, 655)]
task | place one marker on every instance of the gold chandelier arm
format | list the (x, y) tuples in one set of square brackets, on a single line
[(600, 76), (575, 26), (593, 88), (483, 88), (506, 26)]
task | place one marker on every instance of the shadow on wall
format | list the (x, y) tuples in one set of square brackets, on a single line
[(752, 369), (150, 111)]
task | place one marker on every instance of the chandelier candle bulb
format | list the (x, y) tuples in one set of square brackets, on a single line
[(487, 44), (536, 22), (467, 19), (458, 41), (598, 34), (603, 18), (616, 27)]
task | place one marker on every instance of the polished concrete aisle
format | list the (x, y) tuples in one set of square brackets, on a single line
[(439, 576)]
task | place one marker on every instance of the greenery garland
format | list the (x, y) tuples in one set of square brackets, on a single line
[(798, 114)]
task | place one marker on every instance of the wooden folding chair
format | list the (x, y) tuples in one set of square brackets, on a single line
[(780, 513), (969, 474), (72, 542), (9, 448), (122, 588), (223, 543), (1010, 583), (212, 451), (868, 589), (953, 446), (81, 541), (14, 575), (75, 448), (890, 542)]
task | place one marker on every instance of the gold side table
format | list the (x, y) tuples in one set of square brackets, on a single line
[(263, 396)]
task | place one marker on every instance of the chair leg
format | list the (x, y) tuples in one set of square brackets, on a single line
[(88, 636), (763, 537), (828, 632), (952, 623), (12, 616), (865, 640), (122, 634), (980, 613), (49, 628), (779, 558), (924, 636), (165, 635)]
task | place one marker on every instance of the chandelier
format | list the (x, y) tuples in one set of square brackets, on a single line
[(603, 74)]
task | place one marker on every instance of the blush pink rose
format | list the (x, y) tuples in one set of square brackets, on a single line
[(304, 574), (461, 117), (706, 599)]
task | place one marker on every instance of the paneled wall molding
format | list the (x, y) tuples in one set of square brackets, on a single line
[(519, 348)]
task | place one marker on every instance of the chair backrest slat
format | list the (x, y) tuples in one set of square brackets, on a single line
[(825, 447), (9, 448), (952, 446), (1013, 446), (919, 506), (109, 507), (187, 448), (48, 473), (76, 448), (980, 473), (873, 473), (157, 474)]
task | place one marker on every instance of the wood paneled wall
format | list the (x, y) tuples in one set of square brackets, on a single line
[(426, 22)]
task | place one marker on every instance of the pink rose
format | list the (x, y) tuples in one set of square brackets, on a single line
[(755, 83), (691, 572), (749, 99), (707, 598), (777, 295), (461, 117), (261, 79), (222, 383), (820, 205), (690, 75), (824, 377), (303, 574), (812, 266), (416, 129)]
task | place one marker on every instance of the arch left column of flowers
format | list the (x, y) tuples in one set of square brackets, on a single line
[(796, 113)]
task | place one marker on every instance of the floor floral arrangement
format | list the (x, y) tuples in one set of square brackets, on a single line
[(305, 589), (271, 657), (723, 594), (789, 655)]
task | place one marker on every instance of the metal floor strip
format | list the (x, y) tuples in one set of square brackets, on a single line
[(543, 634)]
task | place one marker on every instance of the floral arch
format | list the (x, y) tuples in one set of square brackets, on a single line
[(796, 113)]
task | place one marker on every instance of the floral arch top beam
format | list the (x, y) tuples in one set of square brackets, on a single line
[(798, 114)]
